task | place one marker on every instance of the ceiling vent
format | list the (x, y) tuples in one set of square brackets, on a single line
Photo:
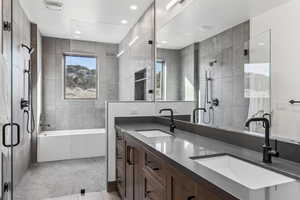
[(54, 5)]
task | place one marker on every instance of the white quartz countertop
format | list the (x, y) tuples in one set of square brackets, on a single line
[(183, 145)]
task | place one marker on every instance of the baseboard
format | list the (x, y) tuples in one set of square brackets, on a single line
[(111, 186)]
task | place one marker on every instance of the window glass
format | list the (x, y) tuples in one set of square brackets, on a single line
[(80, 77), (159, 74)]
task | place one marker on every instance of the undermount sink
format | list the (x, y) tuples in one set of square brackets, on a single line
[(245, 173), (153, 133)]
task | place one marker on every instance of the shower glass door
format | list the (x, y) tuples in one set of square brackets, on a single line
[(6, 85)]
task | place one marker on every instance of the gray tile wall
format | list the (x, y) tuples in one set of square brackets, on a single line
[(228, 74), (172, 59), (137, 57), (179, 73), (64, 114), (36, 74), (187, 73)]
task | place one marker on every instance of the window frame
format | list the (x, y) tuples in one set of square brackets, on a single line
[(64, 76), (162, 81)]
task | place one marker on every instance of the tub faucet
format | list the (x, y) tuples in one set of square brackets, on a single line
[(172, 123), (45, 125), (268, 153)]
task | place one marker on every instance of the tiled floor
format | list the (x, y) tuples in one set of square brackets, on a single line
[(89, 196), (62, 178)]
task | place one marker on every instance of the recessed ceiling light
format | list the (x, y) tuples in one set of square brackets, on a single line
[(124, 21), (261, 44), (133, 7), (78, 32), (171, 4), (205, 28), (54, 5), (188, 34), (164, 42)]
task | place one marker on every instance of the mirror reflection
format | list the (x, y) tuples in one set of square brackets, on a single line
[(206, 54)]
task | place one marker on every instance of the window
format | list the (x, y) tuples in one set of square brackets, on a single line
[(159, 80), (80, 77)]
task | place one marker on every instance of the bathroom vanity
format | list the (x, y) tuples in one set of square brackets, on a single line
[(143, 173), (152, 163)]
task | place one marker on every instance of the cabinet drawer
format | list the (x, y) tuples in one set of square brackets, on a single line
[(180, 186), (153, 190), (154, 165)]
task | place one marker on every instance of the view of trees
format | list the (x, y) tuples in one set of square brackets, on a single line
[(80, 82)]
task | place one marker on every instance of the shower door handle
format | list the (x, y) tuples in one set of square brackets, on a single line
[(4, 134)]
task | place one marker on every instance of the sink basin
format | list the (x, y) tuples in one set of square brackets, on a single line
[(249, 175), (154, 133)]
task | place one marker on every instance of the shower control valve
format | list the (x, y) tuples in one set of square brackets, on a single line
[(24, 103), (215, 102)]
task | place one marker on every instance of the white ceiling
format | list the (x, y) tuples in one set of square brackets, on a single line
[(196, 20), (97, 20)]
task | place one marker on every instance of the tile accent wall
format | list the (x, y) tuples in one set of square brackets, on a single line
[(64, 114), (228, 74), (187, 73), (172, 59), (179, 73), (36, 74)]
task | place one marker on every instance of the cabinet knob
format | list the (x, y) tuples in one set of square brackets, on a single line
[(147, 195), (149, 164), (191, 198), (119, 157)]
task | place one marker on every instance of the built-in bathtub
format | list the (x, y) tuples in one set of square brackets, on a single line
[(70, 144)]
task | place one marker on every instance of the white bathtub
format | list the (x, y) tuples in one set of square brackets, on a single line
[(70, 144)]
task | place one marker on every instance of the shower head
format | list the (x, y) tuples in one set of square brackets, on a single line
[(30, 49)]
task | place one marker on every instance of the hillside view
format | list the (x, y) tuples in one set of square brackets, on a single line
[(80, 82)]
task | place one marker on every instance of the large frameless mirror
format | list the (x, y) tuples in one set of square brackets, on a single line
[(207, 54)]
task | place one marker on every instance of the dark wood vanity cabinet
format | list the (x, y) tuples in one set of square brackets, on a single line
[(120, 163), (142, 174), (180, 186)]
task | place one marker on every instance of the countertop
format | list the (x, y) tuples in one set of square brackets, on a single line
[(183, 145)]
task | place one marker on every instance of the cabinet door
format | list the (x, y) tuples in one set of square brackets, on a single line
[(138, 173), (120, 163), (180, 186), (153, 190), (154, 165), (129, 172), (134, 178)]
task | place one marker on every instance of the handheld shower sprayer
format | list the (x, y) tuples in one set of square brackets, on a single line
[(28, 103)]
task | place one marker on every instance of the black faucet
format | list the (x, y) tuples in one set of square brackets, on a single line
[(195, 111), (267, 148), (172, 124)]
